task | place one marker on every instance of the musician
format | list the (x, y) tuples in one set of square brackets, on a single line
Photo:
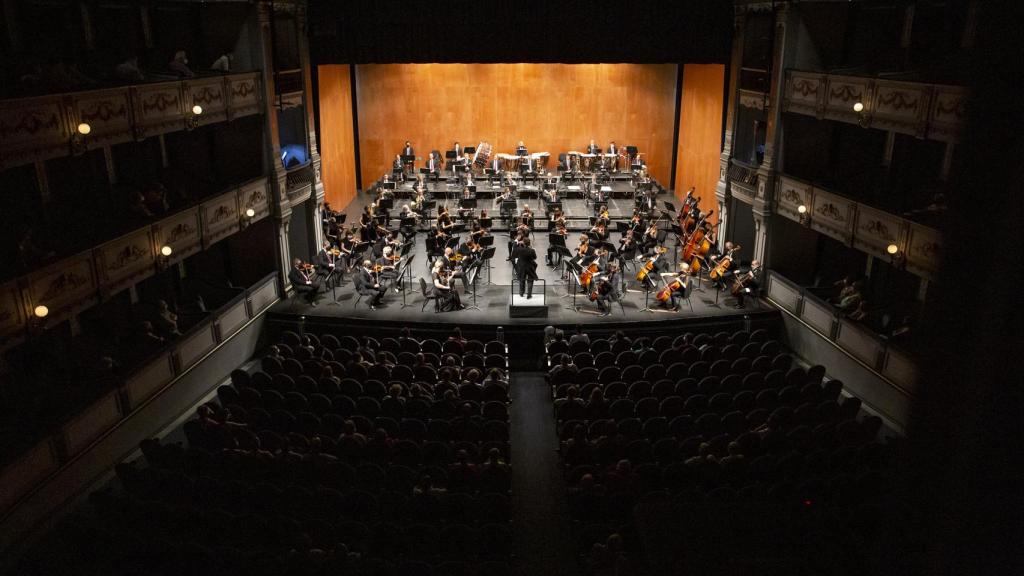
[(456, 269), (367, 226), (599, 231), (477, 232), (444, 221), (469, 251), (550, 193), (500, 199), (584, 254), (674, 295), (407, 149), (612, 148), (593, 148), (636, 223), (558, 217), (747, 283), (627, 241), (448, 299), (419, 199), (367, 284), (327, 261), (561, 231), (521, 149), (496, 168), (399, 168), (346, 245), (303, 279), (608, 289), (524, 260), (650, 238), (660, 263), (458, 150), (433, 165), (526, 216), (387, 267)]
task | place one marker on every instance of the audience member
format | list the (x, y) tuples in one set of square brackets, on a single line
[(166, 321), (179, 65), (129, 71), (223, 63), (579, 336)]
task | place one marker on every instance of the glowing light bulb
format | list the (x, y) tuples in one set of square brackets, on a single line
[(249, 213), (166, 250), (858, 107), (84, 128), (197, 109), (801, 209), (892, 249), (41, 311)]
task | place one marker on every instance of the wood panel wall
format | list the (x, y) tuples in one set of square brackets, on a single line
[(337, 139), (700, 132), (551, 107)]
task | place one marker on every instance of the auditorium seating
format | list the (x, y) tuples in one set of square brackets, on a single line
[(315, 463), (706, 420)]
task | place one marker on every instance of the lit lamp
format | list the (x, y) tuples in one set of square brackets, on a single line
[(249, 213), (166, 250), (247, 217), (78, 137), (805, 219), (862, 118), (192, 119), (41, 311), (895, 255)]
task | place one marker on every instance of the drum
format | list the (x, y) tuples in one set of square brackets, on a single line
[(510, 163), (540, 161), (588, 161), (608, 162), (572, 159)]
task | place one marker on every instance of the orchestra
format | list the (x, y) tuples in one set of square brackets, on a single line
[(596, 261)]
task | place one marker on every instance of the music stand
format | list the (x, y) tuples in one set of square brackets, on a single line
[(486, 223), (475, 271), (467, 204), (434, 174), (469, 150), (386, 203), (450, 155), (669, 207), (508, 208), (406, 269), (551, 206), (486, 257)]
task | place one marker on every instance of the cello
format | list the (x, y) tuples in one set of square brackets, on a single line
[(720, 270), (665, 294), (648, 267)]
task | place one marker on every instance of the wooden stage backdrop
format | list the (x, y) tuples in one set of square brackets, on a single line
[(700, 133), (551, 107), (337, 142)]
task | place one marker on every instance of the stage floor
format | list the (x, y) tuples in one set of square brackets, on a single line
[(494, 298)]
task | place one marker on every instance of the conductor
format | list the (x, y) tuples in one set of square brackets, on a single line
[(524, 260)]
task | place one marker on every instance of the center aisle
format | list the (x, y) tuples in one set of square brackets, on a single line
[(539, 516)]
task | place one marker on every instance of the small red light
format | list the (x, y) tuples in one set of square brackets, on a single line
[(807, 502)]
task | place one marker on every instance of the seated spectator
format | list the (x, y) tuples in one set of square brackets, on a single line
[(552, 334), (378, 448), (494, 376), (462, 474), (579, 336), (382, 360), (395, 392), (155, 197), (620, 478), (597, 406), (407, 336), (564, 365), (223, 63), (571, 398), (427, 486), (861, 313), (457, 336), (608, 558), (137, 206), (902, 330), (350, 436), (129, 71), (148, 339), (29, 254), (577, 449), (179, 65), (166, 321), (853, 297), (472, 376)]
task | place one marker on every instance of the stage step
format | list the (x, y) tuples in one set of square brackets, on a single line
[(523, 307)]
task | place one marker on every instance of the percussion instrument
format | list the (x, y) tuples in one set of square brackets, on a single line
[(608, 161), (540, 161), (509, 163), (588, 161), (482, 155)]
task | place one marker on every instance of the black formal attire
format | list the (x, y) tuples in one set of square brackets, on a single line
[(520, 150), (448, 299), (750, 287), (407, 151), (305, 284), (593, 149), (327, 263), (390, 275), (364, 283), (608, 293), (524, 260), (613, 149)]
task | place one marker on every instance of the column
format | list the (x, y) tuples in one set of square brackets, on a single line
[(722, 190), (280, 206), (767, 174), (314, 154)]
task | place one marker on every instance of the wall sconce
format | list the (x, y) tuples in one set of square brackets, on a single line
[(805, 218), (41, 312), (247, 217), (38, 320), (862, 118), (164, 259), (78, 138), (192, 118), (896, 256)]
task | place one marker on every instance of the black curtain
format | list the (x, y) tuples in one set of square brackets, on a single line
[(570, 31)]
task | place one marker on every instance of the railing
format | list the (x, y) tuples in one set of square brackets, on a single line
[(874, 353), (44, 127), (299, 183), (79, 281), (148, 380), (933, 111), (864, 227)]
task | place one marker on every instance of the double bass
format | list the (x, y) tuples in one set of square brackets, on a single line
[(719, 271)]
